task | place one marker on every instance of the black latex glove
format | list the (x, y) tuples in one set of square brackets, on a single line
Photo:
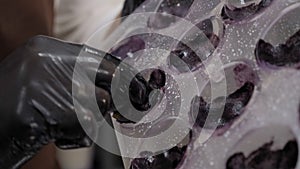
[(130, 6), (36, 104)]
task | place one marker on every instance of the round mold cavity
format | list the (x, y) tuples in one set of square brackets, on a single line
[(167, 13), (241, 81), (196, 45)]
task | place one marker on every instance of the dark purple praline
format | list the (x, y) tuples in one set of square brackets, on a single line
[(265, 158), (166, 160), (234, 107), (283, 55), (128, 47)]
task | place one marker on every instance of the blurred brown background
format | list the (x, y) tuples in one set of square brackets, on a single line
[(20, 20)]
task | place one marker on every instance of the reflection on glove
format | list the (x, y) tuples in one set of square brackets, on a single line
[(36, 97)]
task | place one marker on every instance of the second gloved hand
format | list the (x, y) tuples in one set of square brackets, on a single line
[(36, 101)]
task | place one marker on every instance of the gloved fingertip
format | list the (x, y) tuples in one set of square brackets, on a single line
[(103, 99), (157, 79), (138, 90)]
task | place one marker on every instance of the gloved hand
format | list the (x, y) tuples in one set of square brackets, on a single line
[(36, 104)]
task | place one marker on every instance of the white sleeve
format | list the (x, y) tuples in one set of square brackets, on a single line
[(77, 20)]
